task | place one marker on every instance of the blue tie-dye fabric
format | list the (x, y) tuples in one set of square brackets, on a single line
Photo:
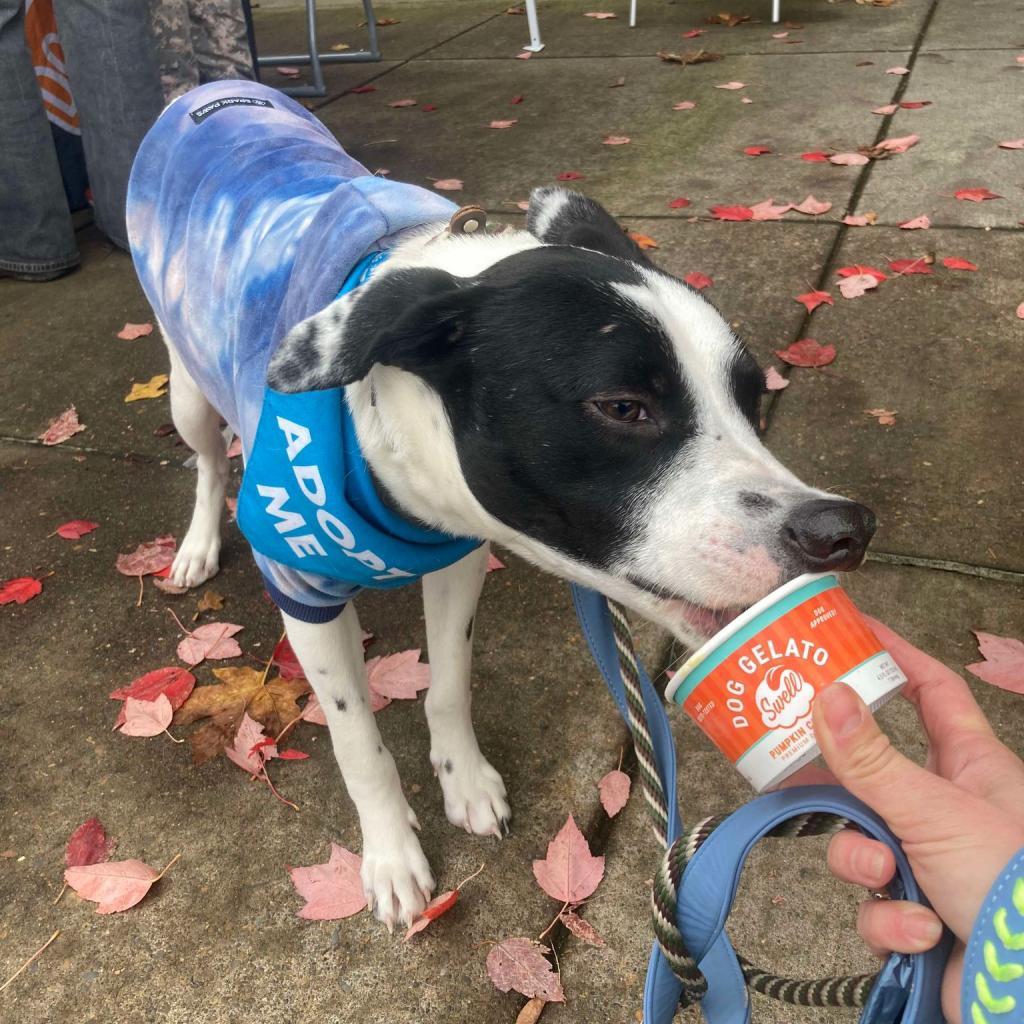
[(245, 216)]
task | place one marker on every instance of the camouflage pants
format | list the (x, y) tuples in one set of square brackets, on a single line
[(199, 41)]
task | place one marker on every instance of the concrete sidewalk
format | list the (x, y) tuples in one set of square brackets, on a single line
[(218, 940)]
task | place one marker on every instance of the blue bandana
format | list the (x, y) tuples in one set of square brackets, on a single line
[(308, 499)]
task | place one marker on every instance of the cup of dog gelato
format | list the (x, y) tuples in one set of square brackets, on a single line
[(751, 686)]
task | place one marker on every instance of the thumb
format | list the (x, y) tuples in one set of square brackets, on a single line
[(873, 770)]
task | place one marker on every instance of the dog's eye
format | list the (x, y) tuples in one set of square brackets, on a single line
[(623, 410)]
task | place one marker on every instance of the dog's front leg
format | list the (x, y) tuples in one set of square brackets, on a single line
[(474, 794), (396, 875)]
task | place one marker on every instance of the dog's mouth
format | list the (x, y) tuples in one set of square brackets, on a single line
[(701, 619)]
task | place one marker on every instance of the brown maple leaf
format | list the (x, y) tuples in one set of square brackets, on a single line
[(690, 57), (240, 690)]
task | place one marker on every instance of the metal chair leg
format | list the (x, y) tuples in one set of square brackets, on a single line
[(316, 60), (531, 19)]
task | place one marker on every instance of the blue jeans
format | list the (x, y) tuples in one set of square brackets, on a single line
[(114, 75)]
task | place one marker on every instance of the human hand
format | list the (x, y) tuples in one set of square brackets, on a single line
[(960, 818)]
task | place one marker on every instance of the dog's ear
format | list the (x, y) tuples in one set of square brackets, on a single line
[(406, 318), (559, 217)]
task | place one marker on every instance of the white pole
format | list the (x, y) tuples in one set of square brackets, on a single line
[(776, 13), (531, 17), (632, 13)]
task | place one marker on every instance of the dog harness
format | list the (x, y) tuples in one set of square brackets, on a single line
[(244, 215)]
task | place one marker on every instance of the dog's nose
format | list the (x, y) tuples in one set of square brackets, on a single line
[(829, 534)]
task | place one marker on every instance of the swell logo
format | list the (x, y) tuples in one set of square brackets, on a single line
[(783, 697)]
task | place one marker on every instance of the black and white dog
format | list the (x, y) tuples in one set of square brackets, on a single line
[(553, 391)]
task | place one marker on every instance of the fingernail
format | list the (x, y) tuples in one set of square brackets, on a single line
[(844, 710), (925, 928), (870, 863)]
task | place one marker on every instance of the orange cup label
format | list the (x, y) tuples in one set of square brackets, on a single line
[(760, 695)]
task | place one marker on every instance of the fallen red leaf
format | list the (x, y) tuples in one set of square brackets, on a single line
[(756, 150), (848, 159), (150, 557), (288, 72), (569, 176), (904, 267), (815, 157), (176, 684), (693, 33), (812, 300), (643, 241), (807, 353), (360, 89), (767, 210), (448, 184), (614, 792), (498, 125), (113, 886), (684, 105), (1012, 144), (432, 911), (600, 15), (1004, 661), (569, 873), (888, 108), (132, 331), (616, 140), (88, 844), (975, 195), (403, 103), (1020, 311), (519, 964), (333, 890), (427, 108), (211, 641), (855, 286), (20, 590), (813, 207), (292, 755), (858, 220), (885, 417), (916, 223), (956, 263), (581, 929), (146, 717), (897, 71), (731, 85), (695, 279), (494, 563), (862, 268), (286, 661), (60, 429), (678, 204), (732, 213), (75, 529), (898, 145), (914, 104), (773, 380), (398, 676)]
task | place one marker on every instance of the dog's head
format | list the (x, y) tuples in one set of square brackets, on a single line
[(567, 398)]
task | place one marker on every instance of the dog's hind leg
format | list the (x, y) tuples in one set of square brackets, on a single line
[(396, 876), (474, 794), (198, 423)]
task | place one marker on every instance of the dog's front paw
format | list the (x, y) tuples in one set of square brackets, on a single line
[(396, 877), (197, 559), (474, 793)]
